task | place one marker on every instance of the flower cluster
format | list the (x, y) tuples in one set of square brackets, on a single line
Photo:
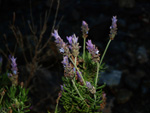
[(14, 75), (93, 51), (113, 28), (80, 84), (74, 45), (90, 87), (61, 44), (14, 68), (85, 29), (68, 69), (65, 49)]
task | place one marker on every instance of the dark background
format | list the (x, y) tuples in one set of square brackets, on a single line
[(127, 57)]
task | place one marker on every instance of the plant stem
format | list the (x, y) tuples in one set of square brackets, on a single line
[(75, 60), (1, 99), (94, 98), (98, 65), (19, 110), (56, 108), (84, 52), (97, 74), (78, 92), (96, 80), (78, 70), (105, 52)]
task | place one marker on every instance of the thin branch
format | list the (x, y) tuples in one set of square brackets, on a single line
[(31, 15), (6, 44), (54, 22)]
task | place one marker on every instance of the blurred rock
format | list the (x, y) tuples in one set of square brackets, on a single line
[(134, 26), (75, 16), (122, 22), (111, 78), (109, 106), (130, 57), (17, 1), (123, 95), (140, 73), (132, 81), (117, 47), (126, 3), (145, 87), (142, 56)]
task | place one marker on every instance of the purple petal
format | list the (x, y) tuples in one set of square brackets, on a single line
[(114, 21), (65, 61), (88, 84), (55, 34), (61, 50), (74, 39), (69, 39), (84, 27)]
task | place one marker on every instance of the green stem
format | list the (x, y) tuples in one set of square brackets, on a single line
[(98, 65), (77, 90), (96, 79), (78, 71), (75, 60), (84, 52), (1, 99), (95, 99), (19, 110), (105, 52), (56, 111)]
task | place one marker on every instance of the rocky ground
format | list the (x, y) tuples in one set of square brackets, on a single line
[(127, 76)]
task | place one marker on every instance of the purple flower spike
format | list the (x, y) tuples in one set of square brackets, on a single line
[(14, 65), (114, 20), (68, 69), (74, 39), (89, 45), (88, 84), (74, 45), (93, 51), (65, 61), (61, 44), (55, 34), (113, 28), (90, 87), (84, 28)]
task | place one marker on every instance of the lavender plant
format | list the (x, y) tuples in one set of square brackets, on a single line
[(13, 97), (80, 92)]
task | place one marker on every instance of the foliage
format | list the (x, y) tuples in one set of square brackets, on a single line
[(13, 98), (80, 92)]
